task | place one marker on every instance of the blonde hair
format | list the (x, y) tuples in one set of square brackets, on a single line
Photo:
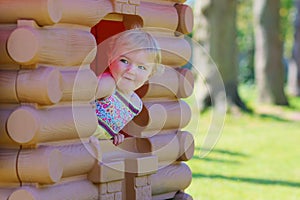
[(134, 40)]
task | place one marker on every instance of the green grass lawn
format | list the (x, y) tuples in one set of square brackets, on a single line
[(256, 157)]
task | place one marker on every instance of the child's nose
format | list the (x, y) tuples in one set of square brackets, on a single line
[(131, 68)]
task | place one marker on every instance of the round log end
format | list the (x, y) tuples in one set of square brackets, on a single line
[(54, 10), (21, 194), (22, 45), (55, 165), (186, 18), (186, 83), (187, 146), (186, 114), (54, 89), (22, 126)]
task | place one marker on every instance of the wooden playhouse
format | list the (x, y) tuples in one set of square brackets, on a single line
[(49, 67)]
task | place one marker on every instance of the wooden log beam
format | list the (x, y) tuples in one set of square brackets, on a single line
[(176, 51), (28, 126), (141, 166), (82, 189), (42, 165), (174, 177), (78, 85), (29, 44), (169, 147), (104, 172), (160, 116), (151, 133), (178, 114), (173, 83), (85, 12), (79, 158), (158, 15), (41, 86), (171, 16), (44, 12), (111, 153)]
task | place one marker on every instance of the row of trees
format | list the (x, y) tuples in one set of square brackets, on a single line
[(216, 30)]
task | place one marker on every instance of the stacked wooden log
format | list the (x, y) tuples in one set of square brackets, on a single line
[(47, 82)]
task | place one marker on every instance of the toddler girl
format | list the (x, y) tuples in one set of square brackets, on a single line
[(133, 58)]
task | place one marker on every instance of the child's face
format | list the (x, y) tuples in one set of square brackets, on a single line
[(132, 70)]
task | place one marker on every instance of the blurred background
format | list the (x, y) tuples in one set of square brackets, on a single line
[(255, 46)]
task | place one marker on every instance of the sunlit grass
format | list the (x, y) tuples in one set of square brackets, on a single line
[(256, 157)]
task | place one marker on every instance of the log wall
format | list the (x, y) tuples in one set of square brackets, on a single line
[(48, 79)]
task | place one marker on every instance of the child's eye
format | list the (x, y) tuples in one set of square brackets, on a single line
[(124, 61), (142, 67)]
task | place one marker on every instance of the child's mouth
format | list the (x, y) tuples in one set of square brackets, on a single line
[(128, 78)]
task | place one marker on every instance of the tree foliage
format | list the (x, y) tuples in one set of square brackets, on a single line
[(245, 36), (287, 16)]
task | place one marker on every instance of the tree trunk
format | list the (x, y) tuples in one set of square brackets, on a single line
[(294, 65), (269, 69), (215, 24)]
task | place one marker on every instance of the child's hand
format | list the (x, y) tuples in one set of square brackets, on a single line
[(118, 139)]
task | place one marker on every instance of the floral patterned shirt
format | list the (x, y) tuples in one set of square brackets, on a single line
[(115, 111)]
